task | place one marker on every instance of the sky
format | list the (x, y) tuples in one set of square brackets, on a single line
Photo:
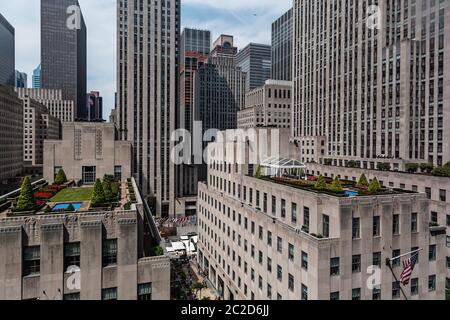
[(247, 20)]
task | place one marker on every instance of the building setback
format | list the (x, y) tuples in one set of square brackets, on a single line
[(7, 52), (147, 93), (64, 51), (11, 135), (282, 47), (255, 61), (64, 110), (267, 106)]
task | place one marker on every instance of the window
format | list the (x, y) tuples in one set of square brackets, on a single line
[(71, 255), (448, 242), (31, 260), (395, 224), (279, 273), (269, 291), (334, 296), (376, 294), (71, 296), (109, 294), (376, 226), (443, 195), (283, 208), (326, 226), (395, 290), (432, 283), (274, 205), (145, 291), (414, 286), (356, 263), (395, 254), (304, 292), (261, 233), (294, 213), (356, 294), (279, 245), (260, 282), (334, 266), (89, 175), (434, 217), (432, 253), (109, 252), (376, 259), (355, 228), (414, 222), (269, 265), (291, 252), (260, 256), (118, 173), (265, 203), (291, 282), (304, 260), (306, 218), (448, 262), (269, 238), (448, 220)]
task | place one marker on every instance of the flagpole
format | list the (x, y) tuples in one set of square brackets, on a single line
[(405, 254), (388, 263)]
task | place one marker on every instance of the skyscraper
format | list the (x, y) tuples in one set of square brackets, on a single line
[(7, 52), (374, 94), (147, 93), (195, 48), (36, 79), (63, 51), (95, 106), (219, 87), (282, 47), (255, 60), (21, 79)]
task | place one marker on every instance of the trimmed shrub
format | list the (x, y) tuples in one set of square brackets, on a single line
[(353, 164), (70, 208), (336, 186), (26, 199), (383, 166), (107, 188), (374, 186), (412, 167), (127, 206), (321, 183), (115, 188), (158, 251), (258, 172), (441, 172), (98, 196), (426, 167), (363, 182), (60, 177)]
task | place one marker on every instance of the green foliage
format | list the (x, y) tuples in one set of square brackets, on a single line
[(412, 167), (353, 164), (426, 167), (336, 186), (98, 196), (321, 184), (60, 177), (383, 166), (70, 208), (26, 198), (258, 172), (127, 206), (158, 251), (447, 164), (328, 161), (441, 171), (374, 186), (115, 188), (363, 182), (107, 191), (48, 209)]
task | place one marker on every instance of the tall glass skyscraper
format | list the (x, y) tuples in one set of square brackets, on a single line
[(7, 53), (282, 47), (63, 51), (36, 79), (255, 60)]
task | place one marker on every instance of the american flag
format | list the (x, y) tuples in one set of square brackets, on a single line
[(408, 267)]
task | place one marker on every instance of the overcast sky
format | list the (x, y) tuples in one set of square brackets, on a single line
[(247, 20)]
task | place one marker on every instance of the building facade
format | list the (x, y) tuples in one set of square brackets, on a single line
[(64, 51), (36, 78), (94, 106), (255, 60), (7, 52), (87, 151), (38, 126), (11, 135), (376, 91), (21, 80), (80, 256), (219, 87), (52, 99), (282, 47), (267, 106), (147, 93), (263, 239)]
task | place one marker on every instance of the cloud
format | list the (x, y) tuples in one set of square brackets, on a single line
[(242, 5)]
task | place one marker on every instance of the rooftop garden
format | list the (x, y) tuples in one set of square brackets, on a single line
[(335, 187), (62, 197)]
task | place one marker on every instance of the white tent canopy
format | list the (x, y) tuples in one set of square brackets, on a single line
[(278, 167)]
